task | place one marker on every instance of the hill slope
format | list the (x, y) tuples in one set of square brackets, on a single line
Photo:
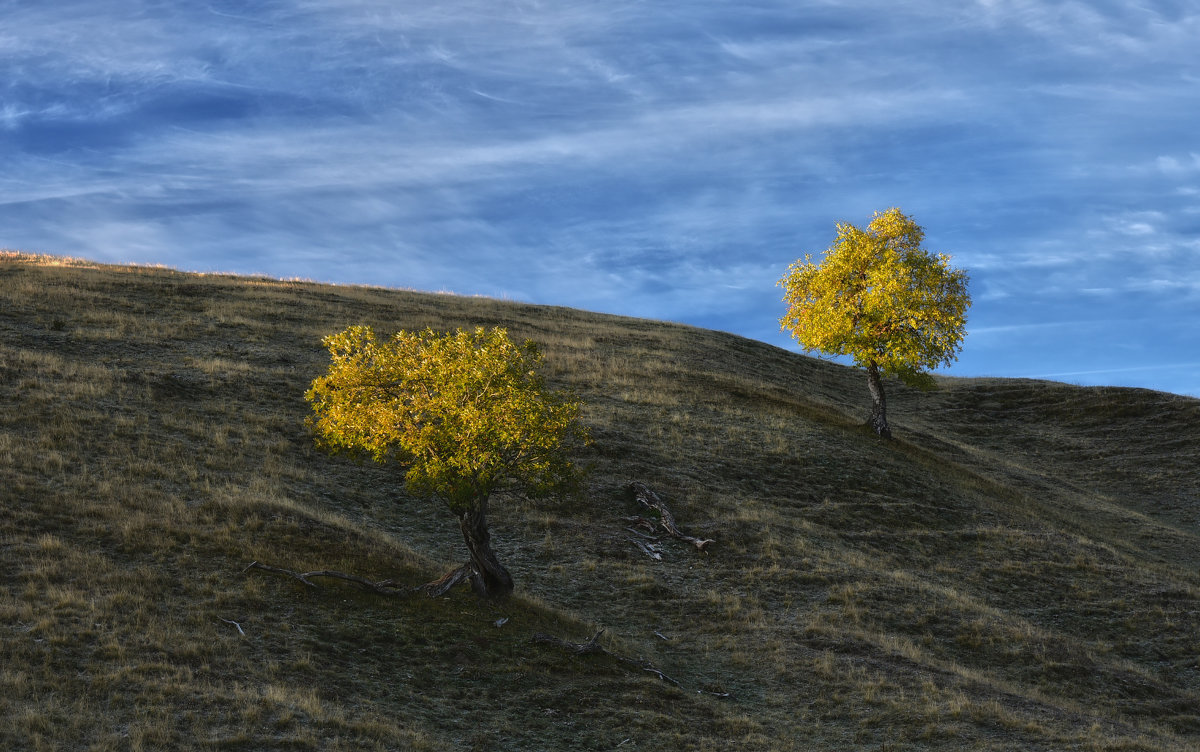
[(1018, 570)]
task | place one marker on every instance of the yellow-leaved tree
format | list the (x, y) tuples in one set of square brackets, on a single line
[(465, 414), (884, 301)]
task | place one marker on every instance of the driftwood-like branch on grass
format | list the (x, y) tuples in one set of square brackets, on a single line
[(438, 587), (651, 503), (380, 587), (592, 646), (648, 548)]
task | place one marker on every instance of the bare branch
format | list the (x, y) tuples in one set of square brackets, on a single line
[(660, 675), (379, 587), (647, 548), (592, 646), (650, 501)]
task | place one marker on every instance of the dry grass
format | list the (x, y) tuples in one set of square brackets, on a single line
[(1019, 570)]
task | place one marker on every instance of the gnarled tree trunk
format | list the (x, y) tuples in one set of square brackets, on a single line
[(489, 578), (878, 420)]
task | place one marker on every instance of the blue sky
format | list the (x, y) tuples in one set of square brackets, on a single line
[(657, 159)]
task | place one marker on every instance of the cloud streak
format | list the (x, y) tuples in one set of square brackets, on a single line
[(624, 156)]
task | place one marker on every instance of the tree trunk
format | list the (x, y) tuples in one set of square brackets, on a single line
[(878, 421), (489, 578)]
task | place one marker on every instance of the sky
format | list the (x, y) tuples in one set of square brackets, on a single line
[(664, 159)]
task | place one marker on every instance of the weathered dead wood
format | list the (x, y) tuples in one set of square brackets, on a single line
[(648, 548), (642, 522), (380, 587), (592, 646), (442, 585), (660, 674), (438, 587), (651, 503)]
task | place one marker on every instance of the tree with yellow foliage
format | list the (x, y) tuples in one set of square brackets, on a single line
[(884, 301), (467, 416)]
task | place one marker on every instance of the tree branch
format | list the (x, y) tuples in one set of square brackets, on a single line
[(650, 501), (380, 587), (592, 646)]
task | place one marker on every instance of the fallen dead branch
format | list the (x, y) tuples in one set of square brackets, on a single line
[(588, 647), (650, 502), (388, 588), (648, 548), (379, 587), (592, 646)]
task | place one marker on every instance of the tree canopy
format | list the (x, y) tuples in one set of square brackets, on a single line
[(881, 299), (466, 414)]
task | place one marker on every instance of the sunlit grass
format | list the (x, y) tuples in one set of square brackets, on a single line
[(1018, 570)]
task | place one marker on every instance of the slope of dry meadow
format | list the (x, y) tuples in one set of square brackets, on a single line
[(1019, 569)]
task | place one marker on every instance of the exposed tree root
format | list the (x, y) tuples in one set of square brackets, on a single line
[(442, 585)]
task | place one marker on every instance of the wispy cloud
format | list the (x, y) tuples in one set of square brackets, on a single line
[(1150, 368), (622, 156), (1178, 166)]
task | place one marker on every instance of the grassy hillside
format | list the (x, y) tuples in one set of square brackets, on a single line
[(1020, 569)]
